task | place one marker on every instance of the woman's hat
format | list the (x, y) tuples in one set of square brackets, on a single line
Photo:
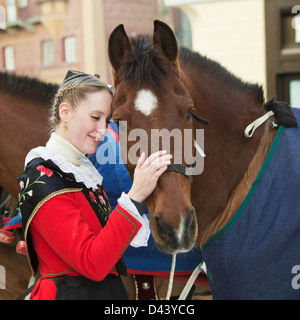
[(72, 74)]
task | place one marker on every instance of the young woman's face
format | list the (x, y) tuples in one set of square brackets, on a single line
[(87, 123)]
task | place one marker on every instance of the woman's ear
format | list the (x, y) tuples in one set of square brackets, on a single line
[(64, 110)]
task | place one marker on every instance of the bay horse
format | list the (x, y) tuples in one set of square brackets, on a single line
[(24, 105), (157, 86)]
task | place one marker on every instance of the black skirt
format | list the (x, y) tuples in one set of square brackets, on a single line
[(81, 288)]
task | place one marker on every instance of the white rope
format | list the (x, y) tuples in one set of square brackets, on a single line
[(171, 277), (255, 124), (192, 279)]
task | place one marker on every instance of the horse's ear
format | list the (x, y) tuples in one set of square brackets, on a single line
[(119, 46), (164, 38)]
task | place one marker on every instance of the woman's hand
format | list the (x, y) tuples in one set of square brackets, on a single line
[(147, 173)]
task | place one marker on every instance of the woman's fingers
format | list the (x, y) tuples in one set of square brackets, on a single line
[(147, 173), (158, 158), (155, 156), (160, 171), (141, 160)]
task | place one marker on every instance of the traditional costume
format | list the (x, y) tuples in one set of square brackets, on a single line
[(73, 236)]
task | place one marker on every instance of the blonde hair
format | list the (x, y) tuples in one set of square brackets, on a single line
[(75, 90)]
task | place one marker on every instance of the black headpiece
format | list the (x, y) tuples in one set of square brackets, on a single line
[(72, 74)]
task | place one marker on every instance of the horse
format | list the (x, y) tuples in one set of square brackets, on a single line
[(161, 86), (24, 124)]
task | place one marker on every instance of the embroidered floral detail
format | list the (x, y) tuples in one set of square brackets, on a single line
[(45, 171), (26, 188), (101, 200), (92, 196), (99, 197)]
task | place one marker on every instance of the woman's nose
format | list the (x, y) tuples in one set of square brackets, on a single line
[(100, 134)]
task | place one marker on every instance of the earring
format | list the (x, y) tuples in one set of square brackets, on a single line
[(65, 126)]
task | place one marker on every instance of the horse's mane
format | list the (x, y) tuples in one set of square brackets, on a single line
[(218, 72), (146, 65), (28, 88)]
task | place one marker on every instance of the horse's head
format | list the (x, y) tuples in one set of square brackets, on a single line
[(153, 102)]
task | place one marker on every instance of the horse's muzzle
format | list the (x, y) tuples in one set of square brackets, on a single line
[(173, 241)]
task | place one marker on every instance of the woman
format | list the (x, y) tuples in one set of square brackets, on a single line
[(75, 240)]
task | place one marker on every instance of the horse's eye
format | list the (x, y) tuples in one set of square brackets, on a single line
[(116, 121), (189, 114)]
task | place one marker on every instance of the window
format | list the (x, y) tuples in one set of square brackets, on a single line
[(48, 53), (289, 89), (11, 10), (297, 29), (290, 26), (70, 50), (9, 58), (22, 3), (2, 17), (295, 93)]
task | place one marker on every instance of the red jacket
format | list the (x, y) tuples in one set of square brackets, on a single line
[(68, 236), (68, 239)]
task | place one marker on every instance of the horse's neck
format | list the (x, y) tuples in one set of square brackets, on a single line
[(19, 117), (242, 189), (228, 153)]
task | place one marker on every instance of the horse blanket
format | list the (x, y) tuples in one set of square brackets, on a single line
[(147, 260), (257, 254)]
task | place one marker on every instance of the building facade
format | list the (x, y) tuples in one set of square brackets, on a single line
[(258, 40), (45, 38)]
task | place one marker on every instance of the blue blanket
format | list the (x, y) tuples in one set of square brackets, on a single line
[(145, 260), (257, 254)]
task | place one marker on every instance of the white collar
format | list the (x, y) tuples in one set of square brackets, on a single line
[(68, 159), (61, 146)]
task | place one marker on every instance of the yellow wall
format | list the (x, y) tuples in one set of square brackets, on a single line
[(231, 32)]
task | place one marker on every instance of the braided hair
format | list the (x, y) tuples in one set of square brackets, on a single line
[(73, 90)]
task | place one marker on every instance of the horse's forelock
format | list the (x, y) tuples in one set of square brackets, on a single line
[(144, 65)]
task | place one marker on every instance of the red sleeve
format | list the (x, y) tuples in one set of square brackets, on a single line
[(59, 221)]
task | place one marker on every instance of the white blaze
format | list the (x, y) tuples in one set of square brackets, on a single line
[(146, 102)]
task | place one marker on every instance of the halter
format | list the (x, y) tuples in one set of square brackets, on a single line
[(180, 168), (187, 172)]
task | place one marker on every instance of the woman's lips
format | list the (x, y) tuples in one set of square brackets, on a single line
[(94, 139)]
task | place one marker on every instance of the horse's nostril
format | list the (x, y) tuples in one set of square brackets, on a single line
[(190, 223), (164, 229)]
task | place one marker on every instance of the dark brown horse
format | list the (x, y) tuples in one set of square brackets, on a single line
[(179, 81), (24, 105), (158, 86)]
